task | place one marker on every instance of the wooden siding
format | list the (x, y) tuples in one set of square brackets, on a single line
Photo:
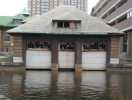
[(4, 44), (1, 40), (17, 45), (115, 47), (130, 42)]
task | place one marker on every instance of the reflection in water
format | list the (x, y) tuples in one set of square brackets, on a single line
[(11, 86), (42, 85), (65, 85), (94, 84), (120, 86)]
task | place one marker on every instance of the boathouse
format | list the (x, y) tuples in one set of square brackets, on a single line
[(66, 38)]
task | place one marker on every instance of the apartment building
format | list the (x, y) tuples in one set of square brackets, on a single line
[(38, 7), (117, 13)]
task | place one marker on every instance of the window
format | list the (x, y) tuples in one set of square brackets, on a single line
[(38, 44), (122, 18), (66, 46), (119, 20), (129, 14), (103, 6), (67, 24), (60, 24), (6, 37), (122, 2), (95, 45)]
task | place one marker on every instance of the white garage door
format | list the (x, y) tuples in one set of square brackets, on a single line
[(38, 59), (66, 59), (94, 60)]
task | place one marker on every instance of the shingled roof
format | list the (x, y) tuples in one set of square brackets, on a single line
[(43, 24)]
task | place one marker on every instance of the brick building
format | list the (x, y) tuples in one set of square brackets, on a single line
[(6, 23), (66, 38)]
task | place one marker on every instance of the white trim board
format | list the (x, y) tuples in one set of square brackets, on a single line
[(117, 17)]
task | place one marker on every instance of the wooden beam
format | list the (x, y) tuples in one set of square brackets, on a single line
[(54, 50), (78, 56)]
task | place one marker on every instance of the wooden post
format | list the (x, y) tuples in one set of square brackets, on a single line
[(54, 50), (78, 56), (108, 51), (1, 40), (129, 51), (17, 49), (115, 51)]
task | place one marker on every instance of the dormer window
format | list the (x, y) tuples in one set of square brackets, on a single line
[(59, 24), (66, 24), (63, 24)]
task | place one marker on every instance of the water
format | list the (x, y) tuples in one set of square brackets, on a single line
[(44, 85)]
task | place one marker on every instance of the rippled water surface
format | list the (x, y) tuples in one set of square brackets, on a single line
[(44, 85)]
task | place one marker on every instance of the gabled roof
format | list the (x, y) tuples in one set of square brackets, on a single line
[(5, 21), (21, 16), (12, 21), (43, 24)]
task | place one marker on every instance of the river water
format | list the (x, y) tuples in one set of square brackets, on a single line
[(46, 85)]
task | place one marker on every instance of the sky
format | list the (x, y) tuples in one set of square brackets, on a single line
[(13, 7)]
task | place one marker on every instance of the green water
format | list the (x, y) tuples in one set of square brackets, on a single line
[(45, 85)]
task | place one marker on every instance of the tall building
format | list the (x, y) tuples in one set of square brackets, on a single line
[(38, 7), (117, 13)]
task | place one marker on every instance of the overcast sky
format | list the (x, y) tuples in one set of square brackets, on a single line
[(13, 7)]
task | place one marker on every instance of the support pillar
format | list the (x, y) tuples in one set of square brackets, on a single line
[(115, 51), (54, 50), (78, 56), (108, 50), (17, 49), (129, 52)]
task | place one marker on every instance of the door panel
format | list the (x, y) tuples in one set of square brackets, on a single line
[(66, 59), (94, 60), (38, 59)]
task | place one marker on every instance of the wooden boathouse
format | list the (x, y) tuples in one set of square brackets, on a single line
[(66, 38)]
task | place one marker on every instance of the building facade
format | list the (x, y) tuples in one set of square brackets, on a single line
[(38, 7), (117, 13), (6, 23), (72, 41)]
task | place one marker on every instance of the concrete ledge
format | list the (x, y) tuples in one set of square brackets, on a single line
[(95, 70), (119, 69), (16, 69), (38, 69)]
